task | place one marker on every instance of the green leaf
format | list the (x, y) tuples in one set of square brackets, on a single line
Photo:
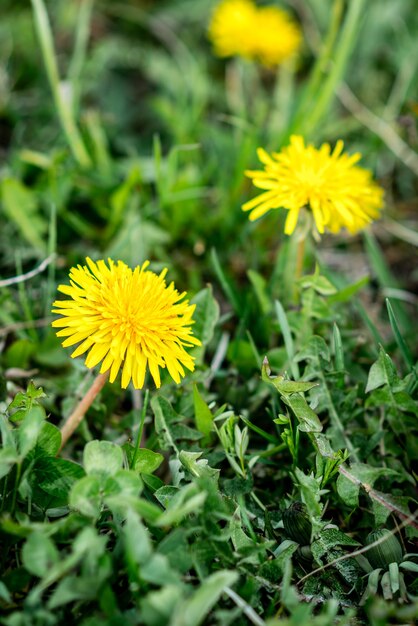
[(136, 542), (147, 461), (8, 457), (102, 458), (382, 372), (30, 429), (193, 611), (158, 606), (310, 492), (349, 491), (124, 482), (39, 554), (319, 283), (282, 384), (197, 466), (206, 315), (308, 420), (49, 440), (203, 415), (85, 496), (186, 501), (260, 288), (21, 207), (51, 480), (165, 416)]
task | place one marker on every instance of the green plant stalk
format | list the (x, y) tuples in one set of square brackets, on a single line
[(343, 48), (62, 104), (320, 67), (82, 34), (16, 487), (140, 429)]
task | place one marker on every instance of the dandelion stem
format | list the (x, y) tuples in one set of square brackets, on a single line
[(300, 258), (82, 407), (141, 428)]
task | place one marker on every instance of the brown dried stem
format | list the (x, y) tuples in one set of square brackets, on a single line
[(83, 406)]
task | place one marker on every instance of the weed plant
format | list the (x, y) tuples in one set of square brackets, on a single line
[(272, 479)]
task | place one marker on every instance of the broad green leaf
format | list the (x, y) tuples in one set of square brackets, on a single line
[(21, 207), (203, 414), (51, 480), (193, 611), (30, 429), (102, 458), (349, 490), (147, 461), (136, 541), (49, 440), (39, 554), (124, 482), (85, 496)]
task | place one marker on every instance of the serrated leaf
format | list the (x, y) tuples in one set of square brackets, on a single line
[(283, 385), (197, 466)]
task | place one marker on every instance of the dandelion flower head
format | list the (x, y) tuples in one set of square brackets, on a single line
[(126, 319), (338, 193), (266, 34)]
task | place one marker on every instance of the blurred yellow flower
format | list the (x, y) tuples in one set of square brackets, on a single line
[(330, 184), (266, 34), (127, 319)]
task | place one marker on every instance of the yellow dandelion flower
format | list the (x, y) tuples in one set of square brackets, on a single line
[(231, 29), (127, 319), (330, 184), (279, 37), (267, 34)]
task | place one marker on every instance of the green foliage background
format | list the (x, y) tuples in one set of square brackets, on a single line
[(132, 144)]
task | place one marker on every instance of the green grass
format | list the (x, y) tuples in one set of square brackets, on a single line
[(123, 136)]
